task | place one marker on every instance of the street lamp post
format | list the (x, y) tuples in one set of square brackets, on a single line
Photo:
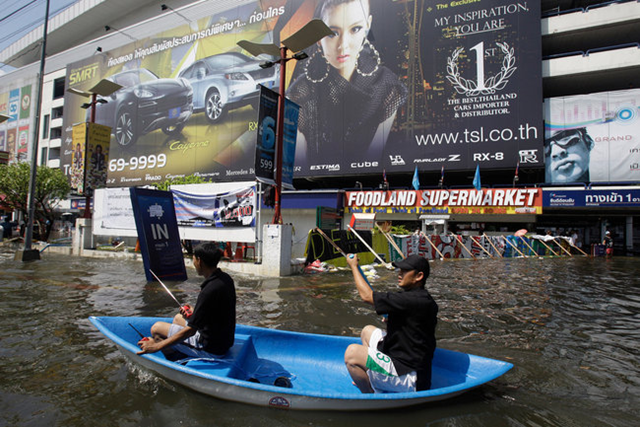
[(311, 33)]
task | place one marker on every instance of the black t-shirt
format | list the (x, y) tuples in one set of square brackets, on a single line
[(214, 315), (411, 324)]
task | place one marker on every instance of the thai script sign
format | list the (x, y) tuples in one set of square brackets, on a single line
[(591, 198)]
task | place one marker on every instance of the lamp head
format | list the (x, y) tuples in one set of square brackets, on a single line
[(299, 56), (75, 91)]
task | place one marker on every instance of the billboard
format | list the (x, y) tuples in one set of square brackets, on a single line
[(77, 168), (16, 132), (266, 146), (219, 212), (452, 83), (97, 148), (455, 84), (90, 156), (593, 138), (234, 208)]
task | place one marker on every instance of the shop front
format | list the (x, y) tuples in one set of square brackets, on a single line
[(440, 211), (591, 211)]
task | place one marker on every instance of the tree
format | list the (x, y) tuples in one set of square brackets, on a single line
[(190, 179), (51, 187)]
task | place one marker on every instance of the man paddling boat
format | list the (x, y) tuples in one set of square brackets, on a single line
[(211, 327), (398, 360)]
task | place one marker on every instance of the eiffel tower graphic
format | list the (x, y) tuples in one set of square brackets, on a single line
[(415, 114)]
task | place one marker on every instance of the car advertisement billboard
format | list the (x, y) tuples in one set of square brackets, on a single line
[(399, 85), (593, 138)]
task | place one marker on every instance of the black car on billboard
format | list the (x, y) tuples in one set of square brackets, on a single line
[(227, 81), (145, 103)]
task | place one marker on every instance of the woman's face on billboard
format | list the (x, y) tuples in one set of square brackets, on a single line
[(350, 22)]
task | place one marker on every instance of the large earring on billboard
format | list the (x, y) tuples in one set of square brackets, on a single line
[(376, 56), (306, 67)]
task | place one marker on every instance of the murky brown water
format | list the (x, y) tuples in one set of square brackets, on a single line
[(570, 326)]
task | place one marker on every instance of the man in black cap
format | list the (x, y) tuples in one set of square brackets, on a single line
[(398, 360)]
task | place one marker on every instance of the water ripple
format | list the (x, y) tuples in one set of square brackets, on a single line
[(570, 326)]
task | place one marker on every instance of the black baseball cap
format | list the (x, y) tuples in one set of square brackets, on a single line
[(413, 262)]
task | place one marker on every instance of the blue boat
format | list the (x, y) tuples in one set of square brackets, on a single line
[(293, 370)]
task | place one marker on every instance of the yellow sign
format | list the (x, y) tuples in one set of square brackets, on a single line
[(98, 139), (78, 143), (90, 156)]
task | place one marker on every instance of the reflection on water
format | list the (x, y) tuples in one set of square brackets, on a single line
[(570, 326)]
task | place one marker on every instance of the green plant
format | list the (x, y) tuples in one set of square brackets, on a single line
[(190, 179), (399, 229)]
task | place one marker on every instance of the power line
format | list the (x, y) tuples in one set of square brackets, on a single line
[(25, 12), (34, 23), (23, 30), (18, 10), (4, 4)]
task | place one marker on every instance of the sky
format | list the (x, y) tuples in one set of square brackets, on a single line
[(19, 17)]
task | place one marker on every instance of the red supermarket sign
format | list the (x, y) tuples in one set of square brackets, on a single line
[(464, 201)]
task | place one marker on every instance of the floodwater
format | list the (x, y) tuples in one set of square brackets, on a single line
[(571, 327)]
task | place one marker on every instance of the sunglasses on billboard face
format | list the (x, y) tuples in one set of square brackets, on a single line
[(564, 142)]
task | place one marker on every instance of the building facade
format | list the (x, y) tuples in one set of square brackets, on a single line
[(546, 68)]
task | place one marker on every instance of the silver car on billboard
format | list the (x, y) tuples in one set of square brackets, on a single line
[(227, 81)]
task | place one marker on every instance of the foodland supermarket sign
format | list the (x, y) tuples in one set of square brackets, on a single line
[(463, 201)]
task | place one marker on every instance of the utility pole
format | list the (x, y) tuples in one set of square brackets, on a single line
[(29, 254)]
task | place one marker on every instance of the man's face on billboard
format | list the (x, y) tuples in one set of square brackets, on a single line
[(567, 157)]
